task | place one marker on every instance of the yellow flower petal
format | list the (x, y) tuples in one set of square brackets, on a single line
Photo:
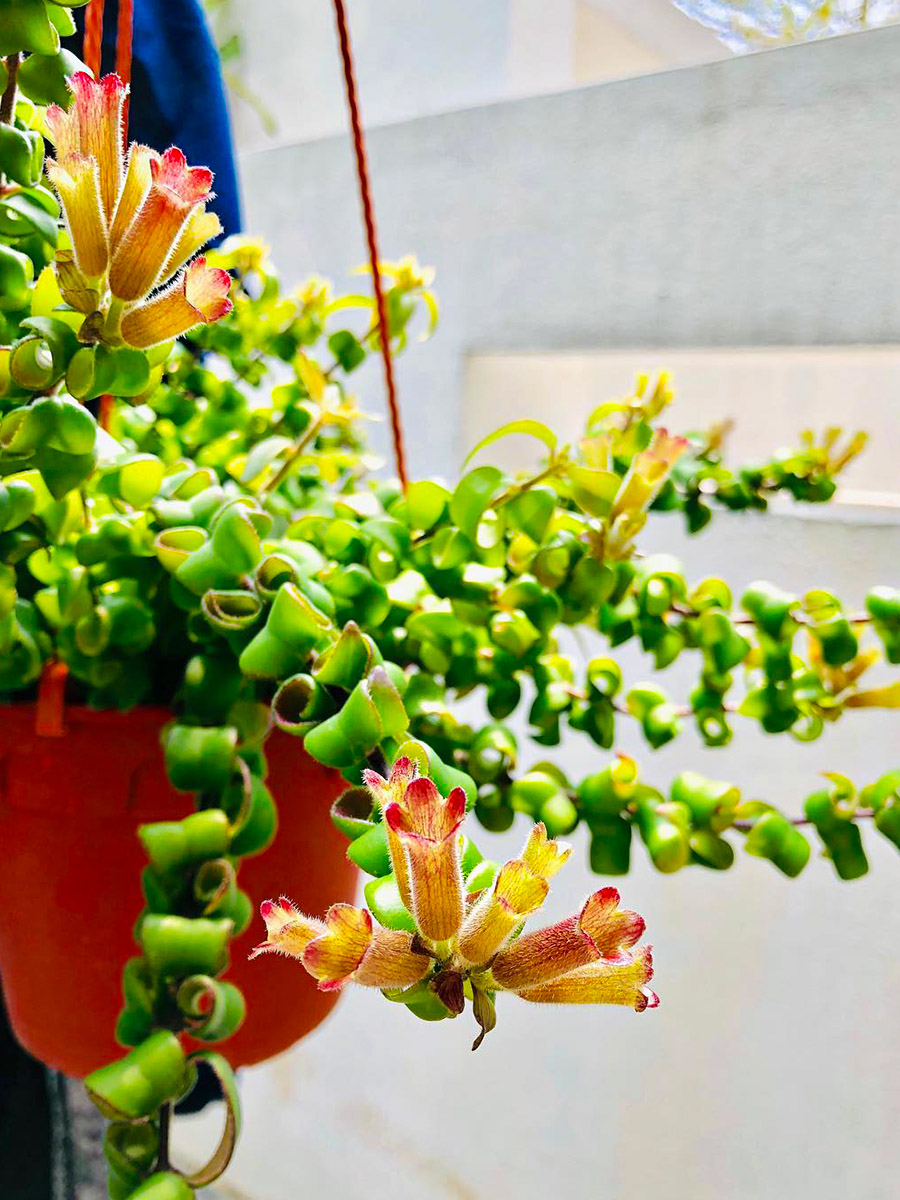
[(77, 183), (288, 931), (516, 893), (201, 227), (138, 178), (542, 855), (390, 961), (73, 287), (601, 983), (93, 128), (600, 930), (197, 297), (334, 955)]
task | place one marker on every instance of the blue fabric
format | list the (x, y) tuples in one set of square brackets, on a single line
[(177, 94)]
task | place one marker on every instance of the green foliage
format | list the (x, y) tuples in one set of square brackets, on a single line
[(223, 549)]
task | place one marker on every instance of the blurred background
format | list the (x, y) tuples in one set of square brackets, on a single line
[(607, 186)]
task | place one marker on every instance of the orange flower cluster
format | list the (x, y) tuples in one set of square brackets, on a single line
[(134, 222), (467, 945)]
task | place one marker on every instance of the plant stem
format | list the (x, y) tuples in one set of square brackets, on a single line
[(8, 102), (296, 450), (861, 814), (517, 489), (799, 618), (113, 322), (165, 1120)]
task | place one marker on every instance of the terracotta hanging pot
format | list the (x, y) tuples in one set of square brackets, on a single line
[(70, 884)]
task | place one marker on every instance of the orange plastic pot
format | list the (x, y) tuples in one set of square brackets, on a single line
[(70, 892)]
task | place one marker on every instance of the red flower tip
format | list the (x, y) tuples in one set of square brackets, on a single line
[(286, 904), (394, 817), (330, 985), (190, 184), (112, 83), (265, 909), (456, 804)]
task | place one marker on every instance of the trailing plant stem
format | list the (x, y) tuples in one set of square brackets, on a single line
[(165, 1121), (8, 102), (861, 814), (297, 449)]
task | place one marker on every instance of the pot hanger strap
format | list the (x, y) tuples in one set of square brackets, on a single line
[(225, 1149), (50, 717)]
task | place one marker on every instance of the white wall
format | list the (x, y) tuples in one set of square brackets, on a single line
[(769, 395), (415, 58), (750, 202)]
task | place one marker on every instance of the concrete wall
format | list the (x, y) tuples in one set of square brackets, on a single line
[(413, 59), (748, 202), (752, 202)]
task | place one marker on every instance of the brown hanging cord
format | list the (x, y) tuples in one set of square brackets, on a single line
[(92, 51), (369, 218), (93, 36), (93, 42), (50, 708), (124, 38)]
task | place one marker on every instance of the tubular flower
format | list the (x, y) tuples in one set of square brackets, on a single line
[(468, 943), (201, 227), (648, 472), (77, 182), (93, 127), (346, 946), (138, 178), (150, 238), (601, 983), (198, 296), (386, 792), (133, 222), (426, 826)]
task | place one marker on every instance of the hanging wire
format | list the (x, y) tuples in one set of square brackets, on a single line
[(365, 196), (92, 52), (93, 36), (124, 38)]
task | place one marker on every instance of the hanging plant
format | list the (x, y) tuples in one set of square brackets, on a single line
[(203, 591)]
